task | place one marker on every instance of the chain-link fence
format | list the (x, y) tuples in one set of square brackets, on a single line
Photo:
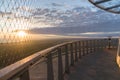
[(107, 5), (16, 21), (17, 18)]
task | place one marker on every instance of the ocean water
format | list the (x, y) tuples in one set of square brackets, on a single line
[(96, 34)]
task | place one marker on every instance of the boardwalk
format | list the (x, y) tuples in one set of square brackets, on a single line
[(55, 63), (98, 66)]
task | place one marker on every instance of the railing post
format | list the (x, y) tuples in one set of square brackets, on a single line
[(116, 43), (83, 48), (94, 46), (87, 47), (71, 55), (25, 75), (66, 60), (91, 46), (76, 56), (50, 74), (97, 43), (109, 43), (106, 43), (79, 49), (93, 42), (112, 42), (103, 44), (60, 65)]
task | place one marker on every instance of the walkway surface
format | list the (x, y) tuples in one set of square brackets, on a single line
[(97, 66)]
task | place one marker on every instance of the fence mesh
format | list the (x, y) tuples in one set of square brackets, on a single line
[(108, 5), (17, 17), (15, 21)]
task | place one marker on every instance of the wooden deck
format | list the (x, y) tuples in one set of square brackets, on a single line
[(97, 66)]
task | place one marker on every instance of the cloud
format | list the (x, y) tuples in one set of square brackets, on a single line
[(100, 29), (8, 15), (40, 11), (24, 8), (56, 17), (5, 13), (78, 16), (57, 4), (50, 17)]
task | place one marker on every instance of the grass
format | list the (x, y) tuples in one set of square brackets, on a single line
[(12, 52)]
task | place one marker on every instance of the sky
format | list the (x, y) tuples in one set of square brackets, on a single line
[(51, 11), (57, 17), (37, 13)]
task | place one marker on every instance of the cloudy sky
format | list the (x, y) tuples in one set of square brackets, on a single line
[(58, 17), (51, 13)]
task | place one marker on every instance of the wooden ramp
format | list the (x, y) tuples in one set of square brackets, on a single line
[(97, 66)]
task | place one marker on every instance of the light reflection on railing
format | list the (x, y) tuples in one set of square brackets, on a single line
[(55, 61), (118, 54)]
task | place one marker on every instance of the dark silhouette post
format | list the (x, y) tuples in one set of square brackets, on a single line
[(109, 42), (71, 55), (91, 46), (83, 46), (60, 65), (66, 60), (25, 75), (50, 74), (76, 56), (79, 49)]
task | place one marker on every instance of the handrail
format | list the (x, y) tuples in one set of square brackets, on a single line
[(11, 70), (118, 54), (79, 48), (109, 8)]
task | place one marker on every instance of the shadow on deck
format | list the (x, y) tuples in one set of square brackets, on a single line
[(93, 59), (98, 66)]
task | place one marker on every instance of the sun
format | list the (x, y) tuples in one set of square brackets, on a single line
[(21, 33)]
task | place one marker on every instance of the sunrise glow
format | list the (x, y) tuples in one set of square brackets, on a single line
[(21, 33)]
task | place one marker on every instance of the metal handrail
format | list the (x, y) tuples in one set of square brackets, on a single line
[(118, 54), (109, 9), (11, 70), (79, 48)]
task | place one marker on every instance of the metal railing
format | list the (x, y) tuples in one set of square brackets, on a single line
[(118, 54), (111, 6), (57, 60)]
